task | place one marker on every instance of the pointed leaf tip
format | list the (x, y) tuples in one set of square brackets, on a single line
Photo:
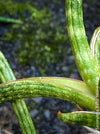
[(59, 113)]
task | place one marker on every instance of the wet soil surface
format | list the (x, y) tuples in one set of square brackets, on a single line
[(44, 110)]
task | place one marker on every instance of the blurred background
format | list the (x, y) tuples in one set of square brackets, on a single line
[(36, 44)]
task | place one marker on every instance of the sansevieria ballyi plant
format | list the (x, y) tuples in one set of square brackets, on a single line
[(85, 93)]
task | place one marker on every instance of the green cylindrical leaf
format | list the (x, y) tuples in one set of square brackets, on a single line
[(19, 106), (95, 45), (29, 88), (83, 118), (85, 61)]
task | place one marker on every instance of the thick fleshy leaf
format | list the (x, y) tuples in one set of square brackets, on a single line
[(19, 106), (95, 48), (72, 83), (44, 87), (95, 45), (83, 118), (85, 61)]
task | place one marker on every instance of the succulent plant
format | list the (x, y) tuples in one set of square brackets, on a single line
[(84, 93)]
